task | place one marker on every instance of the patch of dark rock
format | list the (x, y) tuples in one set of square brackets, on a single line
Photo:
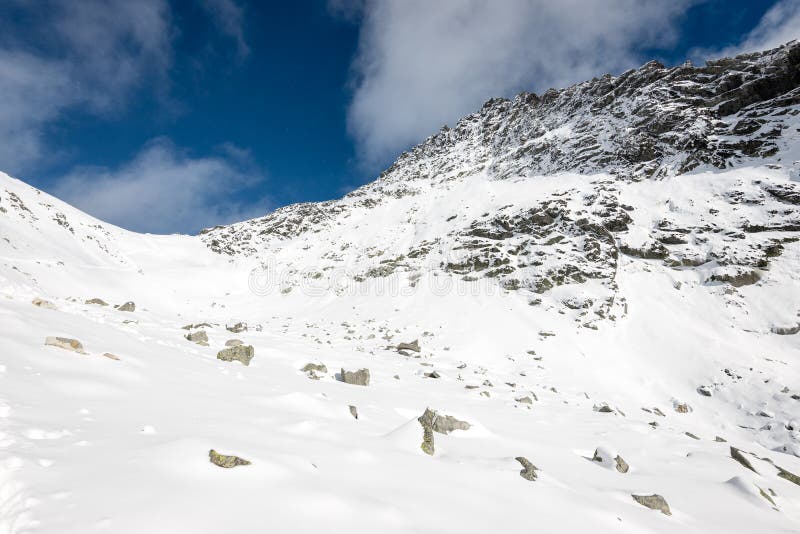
[(737, 455), (740, 279), (353, 411), (237, 328), (619, 464), (413, 346), (672, 239), (226, 461), (357, 378), (785, 330), (240, 353), (705, 391), (426, 420), (199, 337), (528, 471), (126, 307), (655, 251), (444, 424), (682, 407), (654, 502), (787, 475)]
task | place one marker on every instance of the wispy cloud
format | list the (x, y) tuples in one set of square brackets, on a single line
[(164, 189), (94, 57), (779, 25), (228, 16), (90, 55), (422, 64)]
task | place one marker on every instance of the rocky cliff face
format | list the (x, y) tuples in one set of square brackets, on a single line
[(552, 190)]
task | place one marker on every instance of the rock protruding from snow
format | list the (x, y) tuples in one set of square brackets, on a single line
[(96, 301), (226, 461), (654, 502), (358, 378), (234, 342), (427, 420), (682, 407), (528, 471), (241, 353), (199, 337), (312, 369), (444, 424), (413, 346), (42, 303), (237, 328), (126, 307), (65, 343), (609, 459), (737, 455)]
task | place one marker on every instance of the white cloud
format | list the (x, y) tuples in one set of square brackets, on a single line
[(94, 53), (229, 18), (33, 91), (779, 25), (422, 64), (164, 189)]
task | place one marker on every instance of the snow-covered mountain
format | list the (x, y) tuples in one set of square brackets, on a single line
[(606, 271)]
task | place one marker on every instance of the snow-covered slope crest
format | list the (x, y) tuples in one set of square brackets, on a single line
[(628, 327)]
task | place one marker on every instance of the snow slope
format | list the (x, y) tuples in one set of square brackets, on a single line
[(539, 295)]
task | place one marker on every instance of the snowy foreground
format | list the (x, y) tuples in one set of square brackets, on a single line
[(681, 369)]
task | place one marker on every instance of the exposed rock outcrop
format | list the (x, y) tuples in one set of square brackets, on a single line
[(226, 461), (240, 353)]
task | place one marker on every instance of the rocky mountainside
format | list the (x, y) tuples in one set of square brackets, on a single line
[(571, 312), (652, 124)]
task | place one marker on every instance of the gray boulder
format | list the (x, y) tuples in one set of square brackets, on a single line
[(528, 471), (226, 461), (98, 302), (241, 353), (654, 502), (238, 327), (233, 342), (199, 337), (786, 330), (413, 346), (353, 411), (444, 424), (127, 307), (602, 408), (358, 378), (316, 367), (311, 369), (426, 420)]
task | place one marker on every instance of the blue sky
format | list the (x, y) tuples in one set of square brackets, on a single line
[(170, 116)]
